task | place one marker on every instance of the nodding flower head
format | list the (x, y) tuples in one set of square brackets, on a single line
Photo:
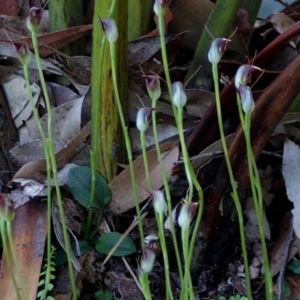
[(34, 18), (159, 202), (147, 260), (216, 50), (161, 6), (153, 87), (110, 29), (242, 75), (248, 103), (179, 95), (22, 52), (7, 211), (143, 118), (187, 213)]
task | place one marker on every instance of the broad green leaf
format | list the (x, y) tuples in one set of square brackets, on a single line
[(79, 181), (106, 242)]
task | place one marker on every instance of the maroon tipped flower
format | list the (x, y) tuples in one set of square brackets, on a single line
[(159, 202), (217, 49), (147, 260), (143, 118), (34, 18), (153, 87), (110, 29), (246, 98), (22, 52), (186, 215), (161, 6), (243, 74), (179, 95)]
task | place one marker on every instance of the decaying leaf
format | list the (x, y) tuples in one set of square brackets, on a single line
[(62, 117), (291, 174), (59, 233), (37, 169), (29, 236), (121, 187), (282, 22)]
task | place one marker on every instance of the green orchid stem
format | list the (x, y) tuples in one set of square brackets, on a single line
[(145, 159), (232, 180), (159, 221), (144, 280), (51, 153), (187, 291), (161, 27), (193, 181), (49, 169), (258, 204), (95, 120), (127, 142), (163, 244), (7, 256), (167, 191)]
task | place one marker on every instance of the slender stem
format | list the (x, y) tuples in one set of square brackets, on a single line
[(231, 177), (161, 27), (145, 159), (145, 286), (167, 191), (127, 142), (53, 162), (258, 205), (49, 169)]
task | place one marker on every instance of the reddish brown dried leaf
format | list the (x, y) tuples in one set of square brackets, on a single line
[(29, 235), (50, 42)]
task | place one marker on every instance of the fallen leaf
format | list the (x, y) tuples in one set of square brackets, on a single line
[(37, 169), (281, 23), (121, 187), (29, 236), (50, 42), (291, 175)]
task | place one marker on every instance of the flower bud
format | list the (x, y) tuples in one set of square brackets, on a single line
[(187, 214), (34, 18), (217, 48), (159, 202), (110, 29), (147, 260), (179, 95), (246, 98), (153, 87), (143, 118), (243, 73), (7, 211), (161, 6), (22, 52)]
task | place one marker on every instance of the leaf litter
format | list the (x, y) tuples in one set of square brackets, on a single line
[(31, 176)]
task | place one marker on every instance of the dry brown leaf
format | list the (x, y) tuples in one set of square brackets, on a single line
[(50, 42), (36, 169), (121, 187), (29, 235), (167, 19)]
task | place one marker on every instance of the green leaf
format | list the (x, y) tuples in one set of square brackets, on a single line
[(106, 242), (294, 266), (79, 181)]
